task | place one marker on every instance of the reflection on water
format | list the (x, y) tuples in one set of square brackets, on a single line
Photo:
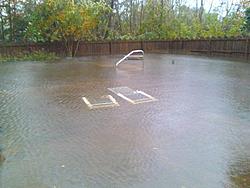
[(196, 135)]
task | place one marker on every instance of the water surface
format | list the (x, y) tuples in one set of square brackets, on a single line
[(196, 136)]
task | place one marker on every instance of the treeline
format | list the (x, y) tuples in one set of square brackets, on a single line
[(77, 20)]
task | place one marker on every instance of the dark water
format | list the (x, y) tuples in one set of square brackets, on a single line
[(196, 136)]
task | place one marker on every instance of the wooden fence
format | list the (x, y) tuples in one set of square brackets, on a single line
[(236, 48)]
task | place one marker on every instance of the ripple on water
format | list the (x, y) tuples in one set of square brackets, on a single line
[(196, 134)]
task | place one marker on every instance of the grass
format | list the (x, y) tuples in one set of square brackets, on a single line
[(34, 56)]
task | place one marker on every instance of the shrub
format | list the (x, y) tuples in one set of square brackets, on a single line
[(34, 56)]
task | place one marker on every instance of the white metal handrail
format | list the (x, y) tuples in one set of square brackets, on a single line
[(129, 54)]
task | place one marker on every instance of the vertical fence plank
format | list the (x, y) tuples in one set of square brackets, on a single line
[(110, 47), (222, 47), (210, 47), (247, 48)]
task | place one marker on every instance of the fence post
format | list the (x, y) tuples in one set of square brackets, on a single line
[(142, 45), (182, 46), (210, 47), (110, 48), (247, 47)]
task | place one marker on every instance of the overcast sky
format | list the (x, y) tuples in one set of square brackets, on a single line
[(207, 3)]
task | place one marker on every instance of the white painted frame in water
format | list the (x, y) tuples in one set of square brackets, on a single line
[(129, 54), (112, 103), (125, 96), (139, 101)]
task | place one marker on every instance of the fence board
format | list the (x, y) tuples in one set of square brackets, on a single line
[(239, 48)]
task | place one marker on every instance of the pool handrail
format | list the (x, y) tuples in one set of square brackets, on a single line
[(129, 54)]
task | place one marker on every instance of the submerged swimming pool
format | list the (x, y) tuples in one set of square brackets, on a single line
[(196, 135)]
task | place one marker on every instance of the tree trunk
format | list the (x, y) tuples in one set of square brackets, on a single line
[(197, 9), (119, 18), (13, 21), (10, 20), (201, 11), (130, 16), (141, 14), (111, 15), (2, 27), (75, 50), (68, 47)]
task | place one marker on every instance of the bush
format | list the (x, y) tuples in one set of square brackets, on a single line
[(34, 56)]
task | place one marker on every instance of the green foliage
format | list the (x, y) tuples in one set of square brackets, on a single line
[(247, 21), (62, 20), (34, 56), (91, 20), (232, 25), (213, 26)]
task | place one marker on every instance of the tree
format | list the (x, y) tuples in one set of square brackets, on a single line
[(73, 21), (14, 18), (247, 21), (62, 20)]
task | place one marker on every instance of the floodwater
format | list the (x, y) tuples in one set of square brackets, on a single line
[(197, 135)]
